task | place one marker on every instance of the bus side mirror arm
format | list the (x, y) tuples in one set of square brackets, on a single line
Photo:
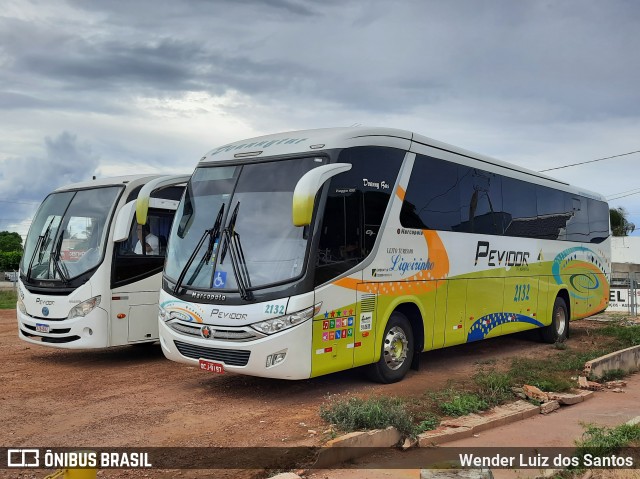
[(307, 187), (123, 221), (142, 202)]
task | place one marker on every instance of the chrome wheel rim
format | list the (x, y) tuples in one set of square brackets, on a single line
[(396, 346), (561, 321)]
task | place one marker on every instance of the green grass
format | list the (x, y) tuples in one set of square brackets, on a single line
[(613, 375), (607, 440), (8, 299), (493, 386), (356, 414), (626, 336), (464, 404)]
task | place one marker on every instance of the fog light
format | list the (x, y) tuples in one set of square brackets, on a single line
[(88, 331), (276, 358)]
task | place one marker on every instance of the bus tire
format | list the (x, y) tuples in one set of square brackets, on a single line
[(397, 351), (558, 330)]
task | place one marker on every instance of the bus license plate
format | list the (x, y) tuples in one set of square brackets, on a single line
[(211, 366), (42, 328)]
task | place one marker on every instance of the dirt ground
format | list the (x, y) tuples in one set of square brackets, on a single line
[(134, 397)]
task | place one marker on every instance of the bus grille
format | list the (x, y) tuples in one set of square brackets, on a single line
[(228, 334), (231, 357)]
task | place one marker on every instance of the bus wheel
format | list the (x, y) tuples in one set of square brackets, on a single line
[(397, 351), (558, 330)]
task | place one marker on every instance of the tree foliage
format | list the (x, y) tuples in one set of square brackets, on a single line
[(620, 226), (10, 242), (10, 251)]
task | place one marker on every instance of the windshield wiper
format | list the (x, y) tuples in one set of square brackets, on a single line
[(60, 267), (234, 246), (41, 239), (213, 235)]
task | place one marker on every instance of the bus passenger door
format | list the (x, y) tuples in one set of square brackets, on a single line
[(455, 331), (333, 330)]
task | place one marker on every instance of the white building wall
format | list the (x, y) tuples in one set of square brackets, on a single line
[(625, 249)]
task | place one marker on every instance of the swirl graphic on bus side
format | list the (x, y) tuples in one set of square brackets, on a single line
[(581, 269)]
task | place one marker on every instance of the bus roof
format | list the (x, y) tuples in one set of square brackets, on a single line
[(111, 181), (292, 142)]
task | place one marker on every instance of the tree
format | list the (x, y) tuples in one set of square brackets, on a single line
[(10, 242), (10, 250), (620, 226)]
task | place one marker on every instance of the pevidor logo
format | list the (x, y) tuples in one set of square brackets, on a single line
[(503, 257)]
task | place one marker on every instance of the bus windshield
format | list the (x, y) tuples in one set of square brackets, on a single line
[(258, 234), (68, 235)]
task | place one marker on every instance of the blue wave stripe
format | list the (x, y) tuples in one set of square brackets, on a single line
[(483, 326)]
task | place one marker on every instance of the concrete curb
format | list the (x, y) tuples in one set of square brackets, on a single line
[(626, 359), (356, 444), (467, 426)]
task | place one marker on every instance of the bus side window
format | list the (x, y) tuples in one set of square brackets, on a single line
[(129, 263), (432, 200), (355, 208)]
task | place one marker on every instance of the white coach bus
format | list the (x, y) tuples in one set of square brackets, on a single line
[(86, 278), (304, 253)]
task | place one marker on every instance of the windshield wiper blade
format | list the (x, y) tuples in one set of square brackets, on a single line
[(60, 267), (233, 244), (39, 243), (213, 234)]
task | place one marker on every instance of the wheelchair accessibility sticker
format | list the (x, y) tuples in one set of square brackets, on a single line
[(219, 279)]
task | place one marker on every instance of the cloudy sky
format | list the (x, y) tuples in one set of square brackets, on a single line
[(107, 88)]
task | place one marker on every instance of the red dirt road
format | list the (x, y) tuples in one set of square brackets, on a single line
[(134, 397)]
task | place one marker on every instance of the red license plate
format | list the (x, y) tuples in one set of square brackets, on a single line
[(211, 366)]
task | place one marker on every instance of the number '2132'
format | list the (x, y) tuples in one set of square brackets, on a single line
[(522, 292)]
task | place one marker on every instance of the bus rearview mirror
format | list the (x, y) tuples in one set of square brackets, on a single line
[(307, 187)]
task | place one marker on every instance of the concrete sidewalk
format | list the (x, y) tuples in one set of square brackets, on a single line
[(558, 429)]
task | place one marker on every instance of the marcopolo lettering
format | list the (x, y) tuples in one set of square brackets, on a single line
[(208, 296), (496, 257)]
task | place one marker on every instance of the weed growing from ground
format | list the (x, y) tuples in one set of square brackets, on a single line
[(356, 414)]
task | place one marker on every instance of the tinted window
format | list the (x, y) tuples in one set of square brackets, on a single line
[(598, 221), (552, 213), (432, 199), (480, 201), (578, 224), (521, 213), (355, 208)]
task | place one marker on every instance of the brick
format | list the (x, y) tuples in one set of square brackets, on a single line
[(535, 393), (615, 384), (550, 406), (566, 399)]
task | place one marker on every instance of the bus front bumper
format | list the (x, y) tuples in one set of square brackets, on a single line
[(250, 357), (86, 332)]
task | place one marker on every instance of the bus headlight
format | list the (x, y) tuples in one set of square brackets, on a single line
[(21, 306), (275, 325), (162, 313), (84, 308)]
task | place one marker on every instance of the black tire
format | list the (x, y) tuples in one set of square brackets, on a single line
[(397, 351), (558, 330)]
